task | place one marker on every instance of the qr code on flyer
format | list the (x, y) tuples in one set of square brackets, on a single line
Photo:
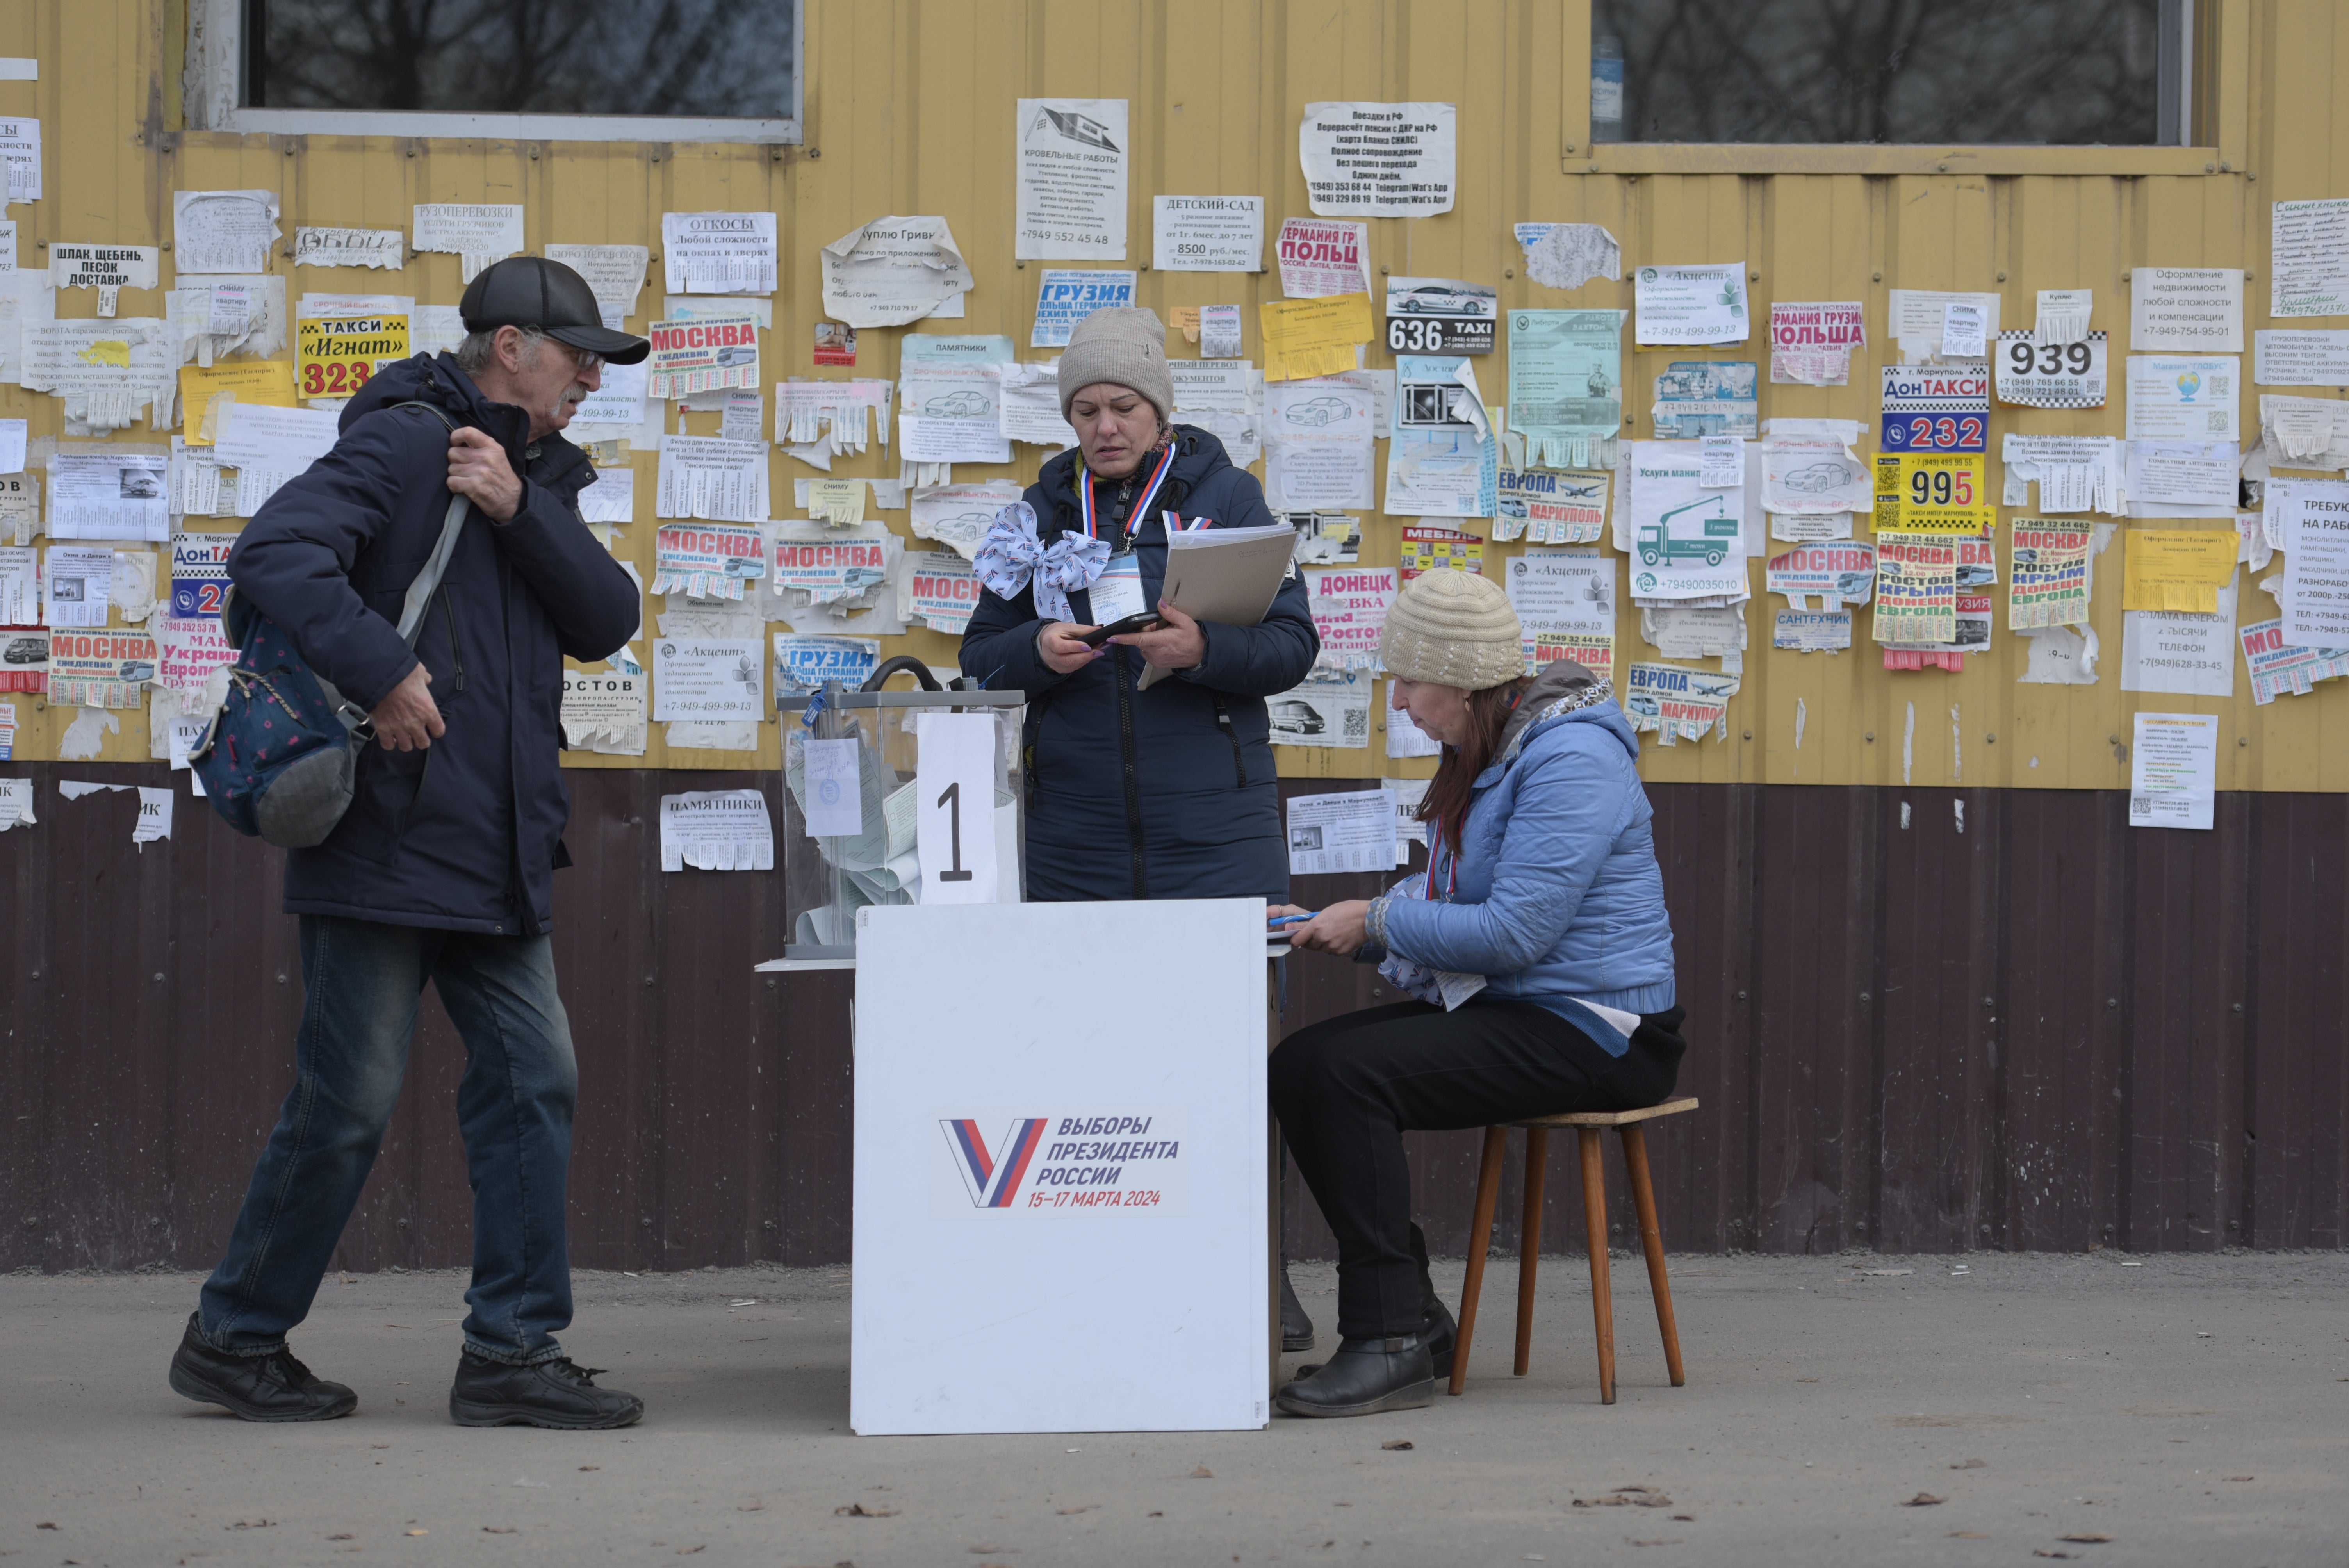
[(1358, 725)]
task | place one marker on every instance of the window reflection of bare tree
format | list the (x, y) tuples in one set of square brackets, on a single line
[(2063, 71), (715, 58)]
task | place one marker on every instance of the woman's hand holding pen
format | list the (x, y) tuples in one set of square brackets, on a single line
[(1339, 929)]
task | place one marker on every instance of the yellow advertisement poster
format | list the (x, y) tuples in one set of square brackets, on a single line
[(2177, 569), (1306, 337), (203, 388), (334, 355), (1933, 492)]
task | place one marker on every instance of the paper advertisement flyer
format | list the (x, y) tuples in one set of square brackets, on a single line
[(2308, 255), (1566, 385), (1312, 337), (2178, 569), (1915, 589), (803, 663), (704, 679), (1319, 444), (2049, 564), (1836, 572), (1440, 315), (2035, 374), (2176, 399), (1676, 702), (2279, 668), (2174, 770), (2178, 652), (1425, 547), (1329, 707), (89, 669), (1811, 343), (1547, 506), (1066, 296), (1936, 408), (706, 561), (1323, 256), (2186, 310), (718, 252), (476, 232), (705, 354), (1071, 180), (1350, 831), (1378, 159), (1207, 233), (1350, 610), (941, 591), (1698, 397), (1686, 542), (717, 830), (1683, 305)]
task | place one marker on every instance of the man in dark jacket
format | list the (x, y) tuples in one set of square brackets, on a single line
[(440, 869), (1168, 792)]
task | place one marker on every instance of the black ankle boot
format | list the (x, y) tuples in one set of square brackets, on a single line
[(1436, 1330), (1296, 1328), (272, 1388), (1366, 1377), (557, 1393)]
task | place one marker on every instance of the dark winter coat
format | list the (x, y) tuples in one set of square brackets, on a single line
[(1165, 793), (465, 834)]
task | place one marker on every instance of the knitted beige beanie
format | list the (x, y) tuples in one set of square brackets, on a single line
[(1452, 628), (1127, 348)]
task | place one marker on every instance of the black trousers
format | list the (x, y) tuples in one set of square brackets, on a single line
[(1347, 1089)]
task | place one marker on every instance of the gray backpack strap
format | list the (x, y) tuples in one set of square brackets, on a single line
[(428, 582), (419, 591)]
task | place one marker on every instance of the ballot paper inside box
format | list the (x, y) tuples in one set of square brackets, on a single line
[(870, 818)]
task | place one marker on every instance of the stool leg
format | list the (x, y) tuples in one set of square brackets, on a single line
[(1529, 1236), (1480, 1237), (1593, 1221), (1651, 1238)]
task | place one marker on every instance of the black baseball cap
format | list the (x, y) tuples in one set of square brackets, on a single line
[(531, 290)]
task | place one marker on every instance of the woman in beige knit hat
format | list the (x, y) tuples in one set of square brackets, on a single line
[(1536, 947)]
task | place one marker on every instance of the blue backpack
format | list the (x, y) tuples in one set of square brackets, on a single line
[(279, 758)]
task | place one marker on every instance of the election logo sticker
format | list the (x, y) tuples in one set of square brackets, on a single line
[(993, 1162)]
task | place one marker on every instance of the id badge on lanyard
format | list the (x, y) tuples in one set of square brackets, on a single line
[(1117, 591)]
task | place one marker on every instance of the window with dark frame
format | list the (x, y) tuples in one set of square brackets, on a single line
[(1988, 72), (719, 59)]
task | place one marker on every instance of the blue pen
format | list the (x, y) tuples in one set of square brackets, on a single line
[(1290, 919)]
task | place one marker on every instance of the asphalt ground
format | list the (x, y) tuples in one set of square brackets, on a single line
[(2189, 1409)]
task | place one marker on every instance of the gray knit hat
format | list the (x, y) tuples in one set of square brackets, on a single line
[(1124, 347), (1452, 628)]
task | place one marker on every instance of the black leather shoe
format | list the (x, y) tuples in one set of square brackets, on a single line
[(272, 1388), (1436, 1330), (1366, 1377), (1296, 1328), (557, 1393)]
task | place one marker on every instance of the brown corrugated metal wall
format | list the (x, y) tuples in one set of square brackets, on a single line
[(2042, 1031)]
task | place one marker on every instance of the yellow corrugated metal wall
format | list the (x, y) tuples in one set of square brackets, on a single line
[(909, 110)]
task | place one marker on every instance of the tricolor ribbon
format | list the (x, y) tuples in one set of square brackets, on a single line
[(1012, 558)]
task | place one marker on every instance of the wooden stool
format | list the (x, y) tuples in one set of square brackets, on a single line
[(1594, 1219)]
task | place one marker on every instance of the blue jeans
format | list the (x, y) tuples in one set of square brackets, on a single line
[(361, 980)]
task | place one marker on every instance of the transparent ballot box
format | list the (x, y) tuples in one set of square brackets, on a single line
[(859, 797)]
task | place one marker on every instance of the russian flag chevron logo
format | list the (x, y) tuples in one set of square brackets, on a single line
[(992, 1179)]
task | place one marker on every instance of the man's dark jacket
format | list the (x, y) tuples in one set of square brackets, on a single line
[(466, 834), (1165, 793)]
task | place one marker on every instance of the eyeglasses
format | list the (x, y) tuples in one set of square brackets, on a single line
[(581, 358)]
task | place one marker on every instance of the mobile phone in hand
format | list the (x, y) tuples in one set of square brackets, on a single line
[(1141, 621)]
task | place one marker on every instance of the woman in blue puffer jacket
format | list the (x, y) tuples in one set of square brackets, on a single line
[(1536, 942)]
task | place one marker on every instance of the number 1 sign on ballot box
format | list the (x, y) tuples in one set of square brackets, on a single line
[(1061, 1168)]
